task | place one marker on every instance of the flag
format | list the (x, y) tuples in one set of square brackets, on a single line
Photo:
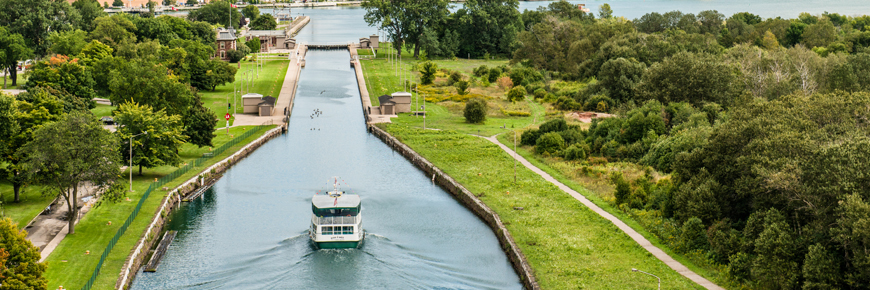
[(335, 202)]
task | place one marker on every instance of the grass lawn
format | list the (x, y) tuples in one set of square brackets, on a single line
[(103, 110), (568, 245), (601, 194), (268, 83), (21, 81), (69, 266), (32, 202)]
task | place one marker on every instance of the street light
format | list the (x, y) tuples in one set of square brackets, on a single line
[(657, 277), (131, 158)]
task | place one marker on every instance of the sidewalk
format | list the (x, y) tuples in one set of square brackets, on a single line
[(285, 98), (46, 231), (637, 237)]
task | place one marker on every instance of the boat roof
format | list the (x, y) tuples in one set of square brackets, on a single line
[(344, 201)]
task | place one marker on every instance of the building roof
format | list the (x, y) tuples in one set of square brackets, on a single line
[(226, 35), (252, 96), (401, 94), (268, 100), (326, 201), (385, 99), (257, 33)]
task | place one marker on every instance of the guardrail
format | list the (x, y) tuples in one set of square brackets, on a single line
[(160, 182), (335, 220)]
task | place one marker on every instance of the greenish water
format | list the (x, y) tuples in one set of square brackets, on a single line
[(250, 230)]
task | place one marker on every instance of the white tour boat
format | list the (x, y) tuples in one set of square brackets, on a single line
[(335, 220)]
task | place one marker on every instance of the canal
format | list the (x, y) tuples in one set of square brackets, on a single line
[(250, 230)]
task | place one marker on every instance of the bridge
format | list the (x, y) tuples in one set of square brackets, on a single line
[(329, 46)]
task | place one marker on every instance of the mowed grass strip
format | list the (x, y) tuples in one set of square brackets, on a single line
[(568, 245), (70, 267), (32, 202), (268, 83)]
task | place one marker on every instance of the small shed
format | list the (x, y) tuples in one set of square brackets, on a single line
[(403, 101), (364, 42), (266, 106), (373, 41), (388, 107), (290, 43), (251, 103)]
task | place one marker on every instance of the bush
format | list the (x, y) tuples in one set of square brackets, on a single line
[(504, 83), (475, 110), (516, 94), (592, 104), (623, 189), (555, 125), (455, 76), (549, 143), (480, 71), (235, 55), (427, 72), (693, 236), (572, 136), (567, 104), (540, 93), (576, 151), (494, 73), (530, 137), (461, 87)]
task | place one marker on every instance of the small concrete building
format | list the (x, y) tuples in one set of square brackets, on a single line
[(373, 41), (364, 43), (251, 103), (226, 40), (403, 101), (267, 106), (290, 43), (388, 107), (268, 38)]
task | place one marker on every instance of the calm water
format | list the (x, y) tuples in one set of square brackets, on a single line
[(250, 231)]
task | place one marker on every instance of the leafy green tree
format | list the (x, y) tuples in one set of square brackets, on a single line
[(219, 73), (651, 22), (155, 87), (114, 31), (517, 93), (169, 2), (407, 21), (487, 26), (89, 10), (19, 259), (7, 117), (461, 87), (217, 12), (820, 269), (160, 146), (688, 77), (619, 77), (12, 49), (94, 52), (192, 2), (251, 12), (235, 55), (199, 124), (156, 29), (118, 3), (427, 72), (254, 44), (203, 32), (604, 11), (475, 110), (550, 143), (576, 151), (794, 33), (32, 109), (819, 35), (711, 21), (36, 19), (66, 76), (264, 22), (66, 155), (68, 42), (852, 233)]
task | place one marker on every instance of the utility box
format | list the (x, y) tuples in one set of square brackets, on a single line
[(251, 102), (373, 41), (403, 102)]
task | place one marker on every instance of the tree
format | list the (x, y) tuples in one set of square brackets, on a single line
[(203, 32), (427, 72), (475, 110), (12, 49), (160, 146), (199, 124), (155, 87), (32, 109), (688, 77), (604, 11), (405, 21), (68, 43), (114, 31), (254, 44), (487, 26), (70, 154), (89, 11), (517, 93), (192, 2), (619, 77), (19, 259), (36, 19), (217, 12), (94, 52), (461, 87), (251, 12), (118, 3), (219, 73), (169, 2), (264, 22), (235, 55), (711, 21), (7, 117), (550, 142), (68, 77), (819, 35)]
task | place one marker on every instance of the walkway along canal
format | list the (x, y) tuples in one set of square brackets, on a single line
[(250, 230)]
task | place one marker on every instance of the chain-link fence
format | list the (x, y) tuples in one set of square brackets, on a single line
[(160, 182)]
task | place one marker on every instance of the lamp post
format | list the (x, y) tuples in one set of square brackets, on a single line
[(657, 277), (131, 158)]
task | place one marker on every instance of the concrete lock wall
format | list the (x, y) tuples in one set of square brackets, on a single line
[(518, 260)]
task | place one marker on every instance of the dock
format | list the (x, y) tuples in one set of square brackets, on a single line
[(160, 251), (196, 194)]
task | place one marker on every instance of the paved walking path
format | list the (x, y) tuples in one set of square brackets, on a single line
[(285, 97), (658, 253)]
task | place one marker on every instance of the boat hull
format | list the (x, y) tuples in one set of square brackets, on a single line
[(338, 245)]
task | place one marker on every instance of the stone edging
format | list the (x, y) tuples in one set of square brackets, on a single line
[(172, 200), (469, 200)]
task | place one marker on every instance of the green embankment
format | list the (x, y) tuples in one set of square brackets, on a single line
[(70, 267), (568, 245), (268, 83)]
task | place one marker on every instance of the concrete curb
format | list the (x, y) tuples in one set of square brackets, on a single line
[(518, 260)]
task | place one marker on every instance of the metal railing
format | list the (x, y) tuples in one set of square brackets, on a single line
[(160, 182), (335, 220)]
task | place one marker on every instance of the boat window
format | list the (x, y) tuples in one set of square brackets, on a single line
[(327, 212), (347, 230), (326, 230)]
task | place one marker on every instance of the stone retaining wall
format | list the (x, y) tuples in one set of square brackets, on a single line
[(173, 199), (518, 260)]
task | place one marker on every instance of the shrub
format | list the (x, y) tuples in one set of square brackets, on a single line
[(592, 103), (504, 83), (693, 236), (567, 104), (623, 189), (235, 55), (455, 76), (494, 73), (480, 71), (549, 143), (530, 137), (475, 110), (575, 152), (554, 125), (516, 94), (427, 72), (572, 136), (540, 93), (461, 87)]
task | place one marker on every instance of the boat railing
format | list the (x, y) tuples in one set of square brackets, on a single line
[(335, 220)]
